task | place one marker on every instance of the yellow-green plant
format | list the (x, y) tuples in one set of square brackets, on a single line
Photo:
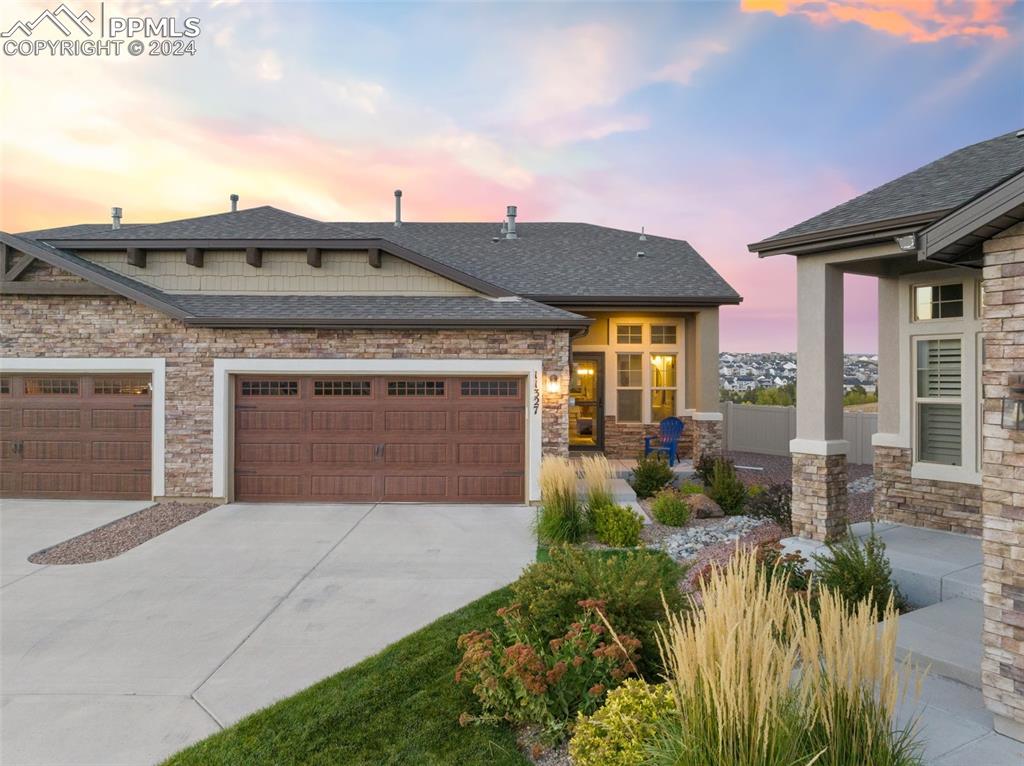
[(560, 518), (597, 481), (732, 665), (618, 526), (617, 733)]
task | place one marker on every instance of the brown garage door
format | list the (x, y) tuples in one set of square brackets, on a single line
[(75, 436), (319, 439)]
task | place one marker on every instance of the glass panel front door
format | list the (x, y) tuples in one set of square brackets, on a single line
[(586, 403)]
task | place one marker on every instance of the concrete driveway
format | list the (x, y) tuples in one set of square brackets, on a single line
[(126, 661)]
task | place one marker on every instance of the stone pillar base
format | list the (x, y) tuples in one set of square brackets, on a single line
[(819, 496), (707, 438)]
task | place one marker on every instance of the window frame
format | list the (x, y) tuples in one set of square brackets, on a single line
[(939, 283), (674, 388), (917, 400), (619, 387), (664, 326), (630, 325)]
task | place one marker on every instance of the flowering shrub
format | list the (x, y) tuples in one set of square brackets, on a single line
[(670, 508), (618, 526), (521, 679), (616, 734)]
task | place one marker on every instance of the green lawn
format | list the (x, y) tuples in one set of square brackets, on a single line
[(399, 707)]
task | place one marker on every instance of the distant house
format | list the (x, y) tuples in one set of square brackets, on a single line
[(946, 243)]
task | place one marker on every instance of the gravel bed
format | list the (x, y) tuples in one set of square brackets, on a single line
[(690, 540), (552, 756), (120, 535)]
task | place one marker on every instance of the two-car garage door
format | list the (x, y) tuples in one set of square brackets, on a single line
[(379, 438)]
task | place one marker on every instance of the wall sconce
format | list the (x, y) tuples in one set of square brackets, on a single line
[(554, 384), (1013, 406)]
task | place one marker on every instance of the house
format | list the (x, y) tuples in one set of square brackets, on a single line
[(946, 243), (260, 355)]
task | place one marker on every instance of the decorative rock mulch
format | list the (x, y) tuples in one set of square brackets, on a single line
[(690, 540), (121, 535)]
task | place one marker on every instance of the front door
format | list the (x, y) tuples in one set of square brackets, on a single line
[(586, 402)]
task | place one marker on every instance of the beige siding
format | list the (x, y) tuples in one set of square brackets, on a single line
[(282, 272)]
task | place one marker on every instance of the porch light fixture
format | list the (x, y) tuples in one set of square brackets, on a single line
[(554, 384), (907, 243), (1013, 406)]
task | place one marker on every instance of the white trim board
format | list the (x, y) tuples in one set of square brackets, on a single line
[(223, 369), (154, 366)]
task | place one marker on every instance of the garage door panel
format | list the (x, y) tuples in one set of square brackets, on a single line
[(343, 454), (354, 486), (6, 418), (86, 436), (119, 483), (382, 438), (52, 450), (40, 418), (120, 451), (270, 452)]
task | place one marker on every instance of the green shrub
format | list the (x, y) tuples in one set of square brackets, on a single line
[(726, 489), (792, 567), (630, 584), (690, 488), (670, 508), (651, 474), (520, 678), (704, 467), (774, 502), (618, 526), (859, 571), (560, 518), (617, 733)]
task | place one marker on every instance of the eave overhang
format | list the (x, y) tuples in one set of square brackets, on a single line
[(847, 236), (639, 300)]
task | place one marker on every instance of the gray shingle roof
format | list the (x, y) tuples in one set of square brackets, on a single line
[(565, 259), (385, 309), (938, 187), (573, 260)]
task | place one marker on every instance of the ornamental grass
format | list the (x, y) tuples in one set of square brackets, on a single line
[(760, 680), (596, 472), (560, 519)]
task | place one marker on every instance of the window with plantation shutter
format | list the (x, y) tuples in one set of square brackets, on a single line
[(939, 407)]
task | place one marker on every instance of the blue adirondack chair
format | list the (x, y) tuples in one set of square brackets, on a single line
[(670, 431)]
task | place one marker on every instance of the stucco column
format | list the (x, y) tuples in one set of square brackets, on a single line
[(819, 452), (703, 388), (1002, 499)]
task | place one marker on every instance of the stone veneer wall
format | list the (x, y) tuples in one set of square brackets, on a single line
[(58, 326), (626, 440), (944, 505), (1002, 665), (707, 438), (819, 496)]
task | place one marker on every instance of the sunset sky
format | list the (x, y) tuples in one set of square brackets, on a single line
[(716, 122)]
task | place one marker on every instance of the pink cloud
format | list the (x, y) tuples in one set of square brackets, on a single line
[(919, 21)]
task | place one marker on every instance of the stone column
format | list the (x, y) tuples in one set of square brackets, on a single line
[(819, 452), (703, 388), (1002, 665)]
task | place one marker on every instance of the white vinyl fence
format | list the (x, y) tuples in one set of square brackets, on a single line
[(768, 430)]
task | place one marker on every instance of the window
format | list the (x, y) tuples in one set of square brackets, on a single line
[(5, 385), (938, 391), (630, 387), (663, 386), (663, 333), (137, 386), (270, 388), (490, 388), (629, 334), (415, 388), (51, 385), (341, 388), (938, 302)]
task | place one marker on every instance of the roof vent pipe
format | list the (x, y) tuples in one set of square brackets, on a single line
[(643, 234), (234, 203), (398, 208), (115, 218), (510, 233)]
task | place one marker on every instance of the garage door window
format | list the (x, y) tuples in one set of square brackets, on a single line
[(270, 388), (415, 388), (59, 386), (121, 386), (5, 386), (490, 388), (341, 388)]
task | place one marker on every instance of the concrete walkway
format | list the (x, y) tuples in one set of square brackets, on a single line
[(126, 661)]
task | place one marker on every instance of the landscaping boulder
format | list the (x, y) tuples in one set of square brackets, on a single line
[(703, 507)]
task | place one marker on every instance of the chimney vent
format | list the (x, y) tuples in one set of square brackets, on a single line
[(643, 235), (398, 208), (115, 218), (640, 254), (234, 203), (510, 232)]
